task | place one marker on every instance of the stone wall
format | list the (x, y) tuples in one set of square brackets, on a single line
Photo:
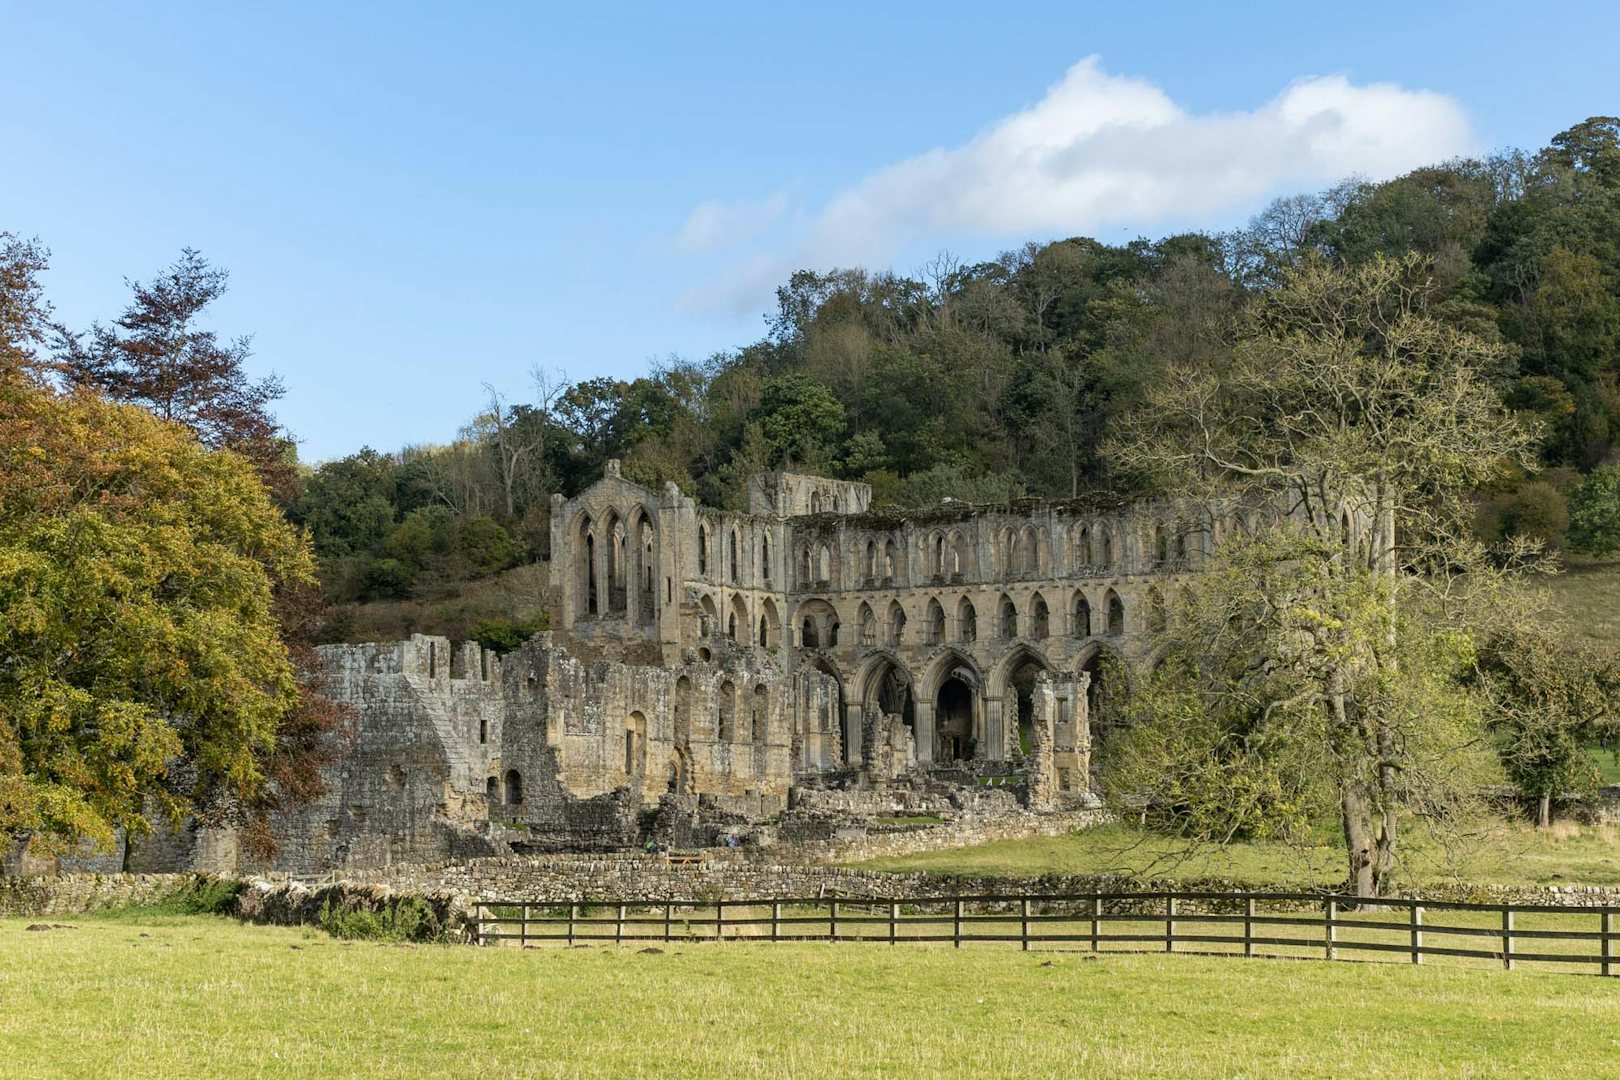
[(76, 893), (567, 878)]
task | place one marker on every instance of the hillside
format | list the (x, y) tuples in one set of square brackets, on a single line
[(1588, 593), (515, 597)]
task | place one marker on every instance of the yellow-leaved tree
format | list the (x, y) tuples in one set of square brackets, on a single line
[(143, 671)]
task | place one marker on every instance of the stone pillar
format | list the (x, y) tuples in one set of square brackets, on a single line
[(854, 715), (1042, 774), (923, 731), (992, 739), (1082, 729)]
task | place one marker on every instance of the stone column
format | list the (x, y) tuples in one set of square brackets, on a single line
[(923, 730), (1042, 774), (1082, 728), (854, 714), (992, 738)]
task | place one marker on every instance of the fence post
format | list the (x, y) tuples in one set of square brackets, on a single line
[(1096, 920), (573, 913), (523, 926), (1248, 926), (1330, 915), (776, 920), (894, 920), (1170, 924), (719, 920), (1417, 932), (1507, 938), (1608, 942), (618, 927), (832, 922), (956, 925), (1023, 925), (668, 912)]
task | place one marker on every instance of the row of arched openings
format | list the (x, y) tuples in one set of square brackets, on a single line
[(1037, 622), (732, 568), (616, 564)]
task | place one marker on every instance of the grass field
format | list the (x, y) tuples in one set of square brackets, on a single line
[(1563, 855), (180, 996), (1588, 593)]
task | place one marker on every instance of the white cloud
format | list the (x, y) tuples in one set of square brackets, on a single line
[(713, 225), (1100, 150)]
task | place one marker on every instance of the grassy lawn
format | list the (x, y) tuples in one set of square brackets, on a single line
[(1588, 593), (174, 996), (1608, 765), (1508, 854)]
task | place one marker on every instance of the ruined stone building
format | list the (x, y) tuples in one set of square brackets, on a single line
[(708, 670)]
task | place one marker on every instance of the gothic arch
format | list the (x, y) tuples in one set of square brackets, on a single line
[(896, 623), (817, 624), (1013, 681), (936, 622), (1006, 618), (967, 621), (1113, 614), (947, 660), (866, 624), (770, 625), (1040, 618), (1080, 614)]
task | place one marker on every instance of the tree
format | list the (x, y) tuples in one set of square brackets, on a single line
[(801, 420), (1550, 702), (157, 355), (1594, 512), (24, 313), (1364, 423), (144, 664)]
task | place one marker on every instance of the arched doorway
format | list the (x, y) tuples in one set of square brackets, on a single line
[(1104, 691), (848, 753), (1018, 698), (888, 692), (953, 719)]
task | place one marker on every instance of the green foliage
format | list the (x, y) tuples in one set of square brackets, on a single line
[(485, 546), (503, 635), (1594, 518), (800, 419), (385, 579), (137, 571), (1550, 700), (406, 918)]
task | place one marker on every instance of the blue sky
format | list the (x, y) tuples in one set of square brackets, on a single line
[(417, 199)]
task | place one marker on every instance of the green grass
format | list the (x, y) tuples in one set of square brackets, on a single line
[(1588, 593), (198, 996), (1608, 765), (1506, 854)]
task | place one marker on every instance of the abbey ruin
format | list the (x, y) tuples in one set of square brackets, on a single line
[(711, 675)]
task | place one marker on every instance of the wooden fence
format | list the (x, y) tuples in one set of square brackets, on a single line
[(1205, 923)]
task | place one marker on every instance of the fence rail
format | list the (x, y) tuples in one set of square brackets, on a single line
[(1207, 923)]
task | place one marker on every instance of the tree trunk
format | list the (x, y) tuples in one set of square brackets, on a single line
[(1544, 810), (1356, 816)]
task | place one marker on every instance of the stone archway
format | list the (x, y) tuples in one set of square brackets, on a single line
[(1015, 692), (953, 720)]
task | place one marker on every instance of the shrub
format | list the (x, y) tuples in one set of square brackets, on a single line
[(386, 579), (407, 919), (1594, 518), (502, 635), (485, 547)]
